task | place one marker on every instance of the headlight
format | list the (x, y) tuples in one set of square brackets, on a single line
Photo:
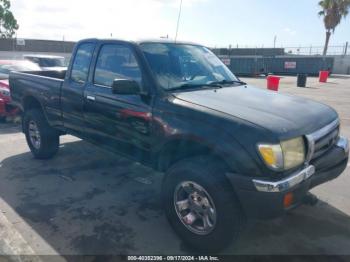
[(286, 155), (293, 152), (4, 92)]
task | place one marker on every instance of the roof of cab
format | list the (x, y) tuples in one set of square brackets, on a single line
[(141, 41)]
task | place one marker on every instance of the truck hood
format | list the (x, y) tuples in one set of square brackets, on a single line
[(285, 115)]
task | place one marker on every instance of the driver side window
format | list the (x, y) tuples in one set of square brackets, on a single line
[(116, 62)]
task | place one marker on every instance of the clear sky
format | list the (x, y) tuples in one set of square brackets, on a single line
[(210, 22)]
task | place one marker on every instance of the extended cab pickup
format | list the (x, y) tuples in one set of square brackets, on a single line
[(229, 151)]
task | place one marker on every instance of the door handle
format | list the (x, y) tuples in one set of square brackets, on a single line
[(91, 98)]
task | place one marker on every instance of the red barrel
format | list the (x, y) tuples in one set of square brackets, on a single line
[(273, 83), (324, 76)]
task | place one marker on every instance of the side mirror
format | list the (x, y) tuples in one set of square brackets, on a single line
[(125, 87)]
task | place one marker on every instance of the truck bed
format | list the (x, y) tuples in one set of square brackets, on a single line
[(43, 87)]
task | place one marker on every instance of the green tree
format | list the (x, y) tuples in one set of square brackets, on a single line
[(333, 11), (8, 23)]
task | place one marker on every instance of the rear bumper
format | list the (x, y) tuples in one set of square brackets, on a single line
[(264, 199)]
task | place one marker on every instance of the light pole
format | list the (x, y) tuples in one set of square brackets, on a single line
[(178, 21)]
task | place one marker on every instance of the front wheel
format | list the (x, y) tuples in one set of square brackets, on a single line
[(201, 205), (42, 139)]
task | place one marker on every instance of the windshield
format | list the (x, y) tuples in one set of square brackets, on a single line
[(185, 65)]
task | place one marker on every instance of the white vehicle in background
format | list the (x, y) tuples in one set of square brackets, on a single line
[(48, 62)]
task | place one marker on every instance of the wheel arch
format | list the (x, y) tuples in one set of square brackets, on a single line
[(179, 148), (29, 103)]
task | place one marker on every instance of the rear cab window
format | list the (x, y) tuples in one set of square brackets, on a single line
[(81, 63)]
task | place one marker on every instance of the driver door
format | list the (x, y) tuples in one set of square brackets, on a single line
[(121, 121)]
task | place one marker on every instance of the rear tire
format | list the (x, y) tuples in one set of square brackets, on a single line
[(207, 176), (42, 139)]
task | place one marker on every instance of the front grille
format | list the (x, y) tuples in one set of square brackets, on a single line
[(323, 144), (322, 140)]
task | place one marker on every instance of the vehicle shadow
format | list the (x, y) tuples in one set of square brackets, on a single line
[(88, 201)]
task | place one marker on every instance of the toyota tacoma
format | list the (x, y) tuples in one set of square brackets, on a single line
[(229, 151)]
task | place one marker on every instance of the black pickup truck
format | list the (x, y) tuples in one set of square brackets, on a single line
[(229, 151)]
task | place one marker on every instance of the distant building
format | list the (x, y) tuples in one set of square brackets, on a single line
[(15, 48), (32, 45)]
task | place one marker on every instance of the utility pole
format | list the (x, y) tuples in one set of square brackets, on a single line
[(346, 48), (178, 21), (274, 41)]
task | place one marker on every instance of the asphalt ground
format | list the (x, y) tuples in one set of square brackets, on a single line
[(87, 201)]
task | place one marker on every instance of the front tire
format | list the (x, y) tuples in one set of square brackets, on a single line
[(201, 205), (42, 139)]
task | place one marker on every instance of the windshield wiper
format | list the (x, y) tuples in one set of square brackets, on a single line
[(191, 86), (228, 82), (215, 84)]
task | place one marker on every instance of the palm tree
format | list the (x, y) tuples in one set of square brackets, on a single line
[(333, 11)]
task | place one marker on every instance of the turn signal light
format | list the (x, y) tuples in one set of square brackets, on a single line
[(288, 200)]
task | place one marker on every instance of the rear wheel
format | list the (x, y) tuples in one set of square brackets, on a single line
[(42, 139), (201, 205)]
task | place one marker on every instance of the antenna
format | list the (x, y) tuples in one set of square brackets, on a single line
[(178, 21)]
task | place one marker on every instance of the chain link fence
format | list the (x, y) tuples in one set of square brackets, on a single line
[(333, 50), (318, 50)]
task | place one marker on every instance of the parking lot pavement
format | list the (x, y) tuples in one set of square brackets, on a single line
[(89, 201)]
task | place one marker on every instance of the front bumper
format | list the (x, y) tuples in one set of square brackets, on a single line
[(265, 199)]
